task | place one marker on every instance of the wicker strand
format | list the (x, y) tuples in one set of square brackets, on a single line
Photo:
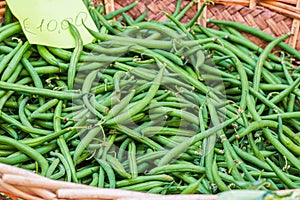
[(17, 192), (252, 4), (45, 194), (101, 193), (38, 182), (290, 11), (295, 29), (202, 19)]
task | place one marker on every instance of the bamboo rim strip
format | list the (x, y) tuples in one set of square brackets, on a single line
[(19, 183)]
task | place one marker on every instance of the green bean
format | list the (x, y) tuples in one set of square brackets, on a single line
[(65, 164), (182, 147), (85, 141), (52, 167), (20, 157), (105, 23), (61, 142), (75, 56), (33, 130), (217, 179), (262, 58), (45, 107), (182, 13), (11, 131), (39, 63), (40, 70), (95, 179), (120, 11), (61, 53), (144, 186), (280, 174), (270, 124), (45, 54), (28, 151), (177, 168), (142, 103), (282, 149), (272, 175), (9, 56), (165, 45), (117, 167), (10, 30), (128, 19), (86, 87), (34, 75), (22, 114), (136, 136), (169, 56), (117, 78), (147, 157), (142, 17), (14, 76), (39, 91), (258, 33), (141, 179), (59, 174), (160, 29), (7, 95), (288, 143), (278, 87), (120, 106), (132, 159), (122, 149), (179, 25), (109, 171), (101, 177), (177, 8), (286, 92), (86, 171), (33, 142), (286, 115), (192, 188), (151, 130), (177, 113), (108, 144), (14, 61), (252, 159)]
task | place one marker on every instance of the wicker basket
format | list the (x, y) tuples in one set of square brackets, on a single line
[(265, 15)]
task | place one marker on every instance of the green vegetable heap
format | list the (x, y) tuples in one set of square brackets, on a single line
[(158, 107)]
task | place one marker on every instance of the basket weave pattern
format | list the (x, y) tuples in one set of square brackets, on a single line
[(275, 22)]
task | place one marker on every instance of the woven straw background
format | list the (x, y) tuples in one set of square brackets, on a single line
[(275, 22), (2, 8)]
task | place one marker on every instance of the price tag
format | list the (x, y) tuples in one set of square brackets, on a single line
[(44, 22)]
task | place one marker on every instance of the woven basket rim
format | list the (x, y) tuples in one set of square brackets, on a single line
[(13, 178)]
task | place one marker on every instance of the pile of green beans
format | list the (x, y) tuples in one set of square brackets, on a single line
[(158, 107)]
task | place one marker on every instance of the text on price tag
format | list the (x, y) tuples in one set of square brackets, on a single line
[(45, 22)]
